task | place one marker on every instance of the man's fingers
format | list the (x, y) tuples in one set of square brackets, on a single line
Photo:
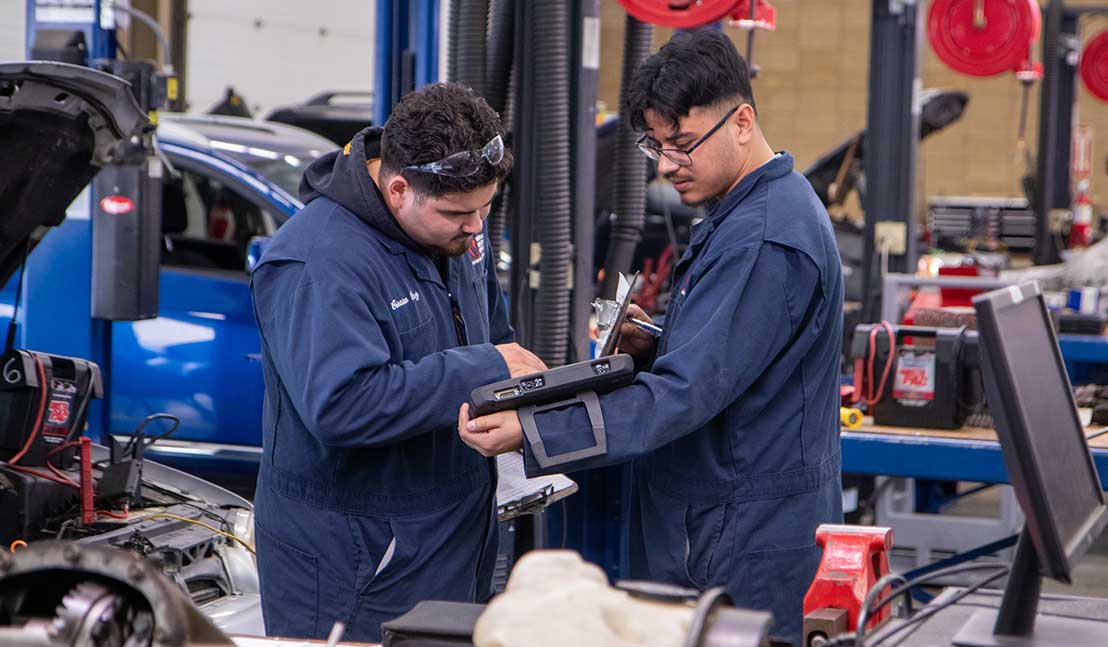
[(463, 416), (631, 331), (484, 423)]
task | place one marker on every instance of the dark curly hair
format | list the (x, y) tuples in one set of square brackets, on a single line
[(436, 121), (700, 68)]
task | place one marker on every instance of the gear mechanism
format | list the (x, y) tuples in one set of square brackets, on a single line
[(91, 614)]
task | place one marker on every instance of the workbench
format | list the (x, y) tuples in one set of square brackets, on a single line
[(941, 628), (966, 454)]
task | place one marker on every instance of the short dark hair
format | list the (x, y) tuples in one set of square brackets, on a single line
[(436, 121), (700, 68)]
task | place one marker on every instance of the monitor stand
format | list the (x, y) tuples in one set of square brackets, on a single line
[(1016, 623)]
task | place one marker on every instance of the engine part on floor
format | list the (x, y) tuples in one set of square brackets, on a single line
[(558, 584), (629, 191), (1094, 66), (44, 404), (61, 594), (854, 559), (934, 380), (983, 37)]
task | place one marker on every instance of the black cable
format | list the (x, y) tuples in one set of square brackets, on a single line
[(227, 525), (929, 611), (933, 575), (10, 342), (878, 586), (850, 638), (138, 435), (990, 548)]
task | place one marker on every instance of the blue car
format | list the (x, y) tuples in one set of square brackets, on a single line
[(199, 359)]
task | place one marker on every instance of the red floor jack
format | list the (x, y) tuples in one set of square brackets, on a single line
[(854, 559)]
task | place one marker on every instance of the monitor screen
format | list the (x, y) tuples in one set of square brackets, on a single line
[(1042, 439)]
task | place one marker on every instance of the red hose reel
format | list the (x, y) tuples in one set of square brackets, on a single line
[(689, 14), (1094, 66), (985, 37)]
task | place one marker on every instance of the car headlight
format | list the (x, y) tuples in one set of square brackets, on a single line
[(243, 525)]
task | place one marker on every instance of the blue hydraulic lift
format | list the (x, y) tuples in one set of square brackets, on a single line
[(55, 315), (407, 51)]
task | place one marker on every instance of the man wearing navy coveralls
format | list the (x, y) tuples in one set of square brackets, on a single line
[(734, 428), (379, 312)]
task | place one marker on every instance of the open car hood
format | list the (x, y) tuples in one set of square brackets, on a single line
[(59, 124)]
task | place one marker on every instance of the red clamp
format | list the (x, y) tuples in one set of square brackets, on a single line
[(854, 558)]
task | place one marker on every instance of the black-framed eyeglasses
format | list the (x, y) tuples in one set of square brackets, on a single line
[(676, 155), (464, 163)]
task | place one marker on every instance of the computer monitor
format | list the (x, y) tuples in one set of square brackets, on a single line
[(1048, 460)]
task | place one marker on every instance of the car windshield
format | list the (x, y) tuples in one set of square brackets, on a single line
[(284, 171)]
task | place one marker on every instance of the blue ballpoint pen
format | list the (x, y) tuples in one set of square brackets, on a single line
[(647, 326)]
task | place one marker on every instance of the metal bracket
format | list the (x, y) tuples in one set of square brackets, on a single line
[(596, 419)]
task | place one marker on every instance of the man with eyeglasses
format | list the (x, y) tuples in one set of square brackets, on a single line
[(734, 427), (379, 311)]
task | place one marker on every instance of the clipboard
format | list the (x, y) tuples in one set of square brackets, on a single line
[(517, 495)]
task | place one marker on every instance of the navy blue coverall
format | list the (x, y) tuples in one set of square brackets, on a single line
[(735, 428), (367, 500)]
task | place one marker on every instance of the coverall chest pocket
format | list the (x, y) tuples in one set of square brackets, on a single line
[(409, 309)]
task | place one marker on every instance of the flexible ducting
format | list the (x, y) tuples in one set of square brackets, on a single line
[(553, 199), (468, 27), (629, 193), (498, 70)]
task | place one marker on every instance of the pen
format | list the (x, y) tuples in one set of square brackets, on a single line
[(647, 326)]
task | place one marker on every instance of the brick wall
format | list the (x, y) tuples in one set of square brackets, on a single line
[(812, 94)]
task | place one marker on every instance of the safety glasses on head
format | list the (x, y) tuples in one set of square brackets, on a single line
[(676, 155), (464, 163)]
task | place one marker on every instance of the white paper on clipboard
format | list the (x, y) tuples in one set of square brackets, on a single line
[(518, 495)]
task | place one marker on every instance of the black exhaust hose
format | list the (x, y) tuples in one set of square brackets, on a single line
[(467, 51), (553, 206), (498, 71), (453, 40), (629, 186), (501, 47)]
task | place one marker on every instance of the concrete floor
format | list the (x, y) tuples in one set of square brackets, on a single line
[(1091, 575)]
